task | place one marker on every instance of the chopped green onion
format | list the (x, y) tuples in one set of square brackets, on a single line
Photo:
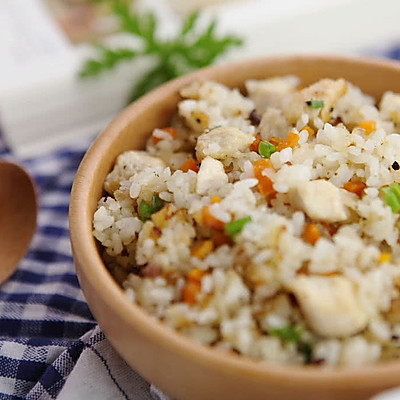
[(315, 103), (288, 333), (266, 149), (305, 349), (291, 333), (156, 203), (392, 196), (146, 210), (234, 227)]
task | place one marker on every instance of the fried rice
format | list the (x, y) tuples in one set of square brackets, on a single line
[(267, 224)]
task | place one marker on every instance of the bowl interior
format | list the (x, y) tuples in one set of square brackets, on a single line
[(129, 131)]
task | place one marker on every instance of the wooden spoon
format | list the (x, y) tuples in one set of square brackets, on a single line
[(18, 210)]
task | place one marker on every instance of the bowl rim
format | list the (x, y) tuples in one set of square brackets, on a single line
[(84, 248)]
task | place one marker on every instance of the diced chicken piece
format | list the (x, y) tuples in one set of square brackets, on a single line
[(390, 107), (273, 123), (261, 275), (223, 142), (327, 90), (320, 200), (330, 305), (128, 164), (211, 175), (271, 92)]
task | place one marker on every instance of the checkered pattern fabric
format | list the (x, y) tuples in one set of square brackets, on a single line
[(50, 345), (46, 328), (42, 309)]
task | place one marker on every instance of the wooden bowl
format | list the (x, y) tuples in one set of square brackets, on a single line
[(177, 365)]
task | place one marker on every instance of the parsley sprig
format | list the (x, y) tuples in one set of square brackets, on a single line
[(190, 49)]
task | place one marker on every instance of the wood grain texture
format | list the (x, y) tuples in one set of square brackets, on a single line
[(18, 209)]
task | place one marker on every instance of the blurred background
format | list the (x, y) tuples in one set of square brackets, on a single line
[(45, 102)]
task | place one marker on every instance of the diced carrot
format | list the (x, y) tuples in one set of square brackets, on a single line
[(190, 292), (277, 142), (210, 221), (311, 233), (220, 238), (261, 164), (202, 249), (356, 187), (369, 126), (215, 199), (290, 141), (190, 164), (193, 286), (256, 143), (309, 130), (265, 185), (170, 130), (196, 275), (385, 258)]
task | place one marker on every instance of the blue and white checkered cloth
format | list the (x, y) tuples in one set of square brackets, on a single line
[(50, 345)]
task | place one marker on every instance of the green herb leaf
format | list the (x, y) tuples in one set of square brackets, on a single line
[(315, 103), (392, 196), (107, 59), (190, 22), (191, 49), (146, 210), (234, 227), (288, 333), (266, 149)]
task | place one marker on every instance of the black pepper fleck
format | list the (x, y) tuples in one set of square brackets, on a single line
[(308, 102), (255, 118), (396, 166)]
